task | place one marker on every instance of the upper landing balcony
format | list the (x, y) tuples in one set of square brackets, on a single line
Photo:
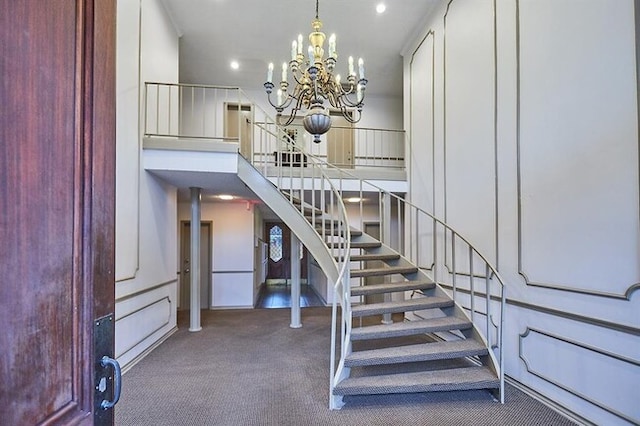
[(201, 129)]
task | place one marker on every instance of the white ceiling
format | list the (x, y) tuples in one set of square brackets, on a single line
[(256, 32)]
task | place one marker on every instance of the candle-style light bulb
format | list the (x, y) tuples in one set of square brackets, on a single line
[(361, 68), (299, 44), (359, 93), (310, 53), (332, 46), (279, 97), (270, 72), (294, 50), (351, 71), (284, 71)]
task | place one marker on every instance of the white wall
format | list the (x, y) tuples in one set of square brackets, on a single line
[(526, 114), (145, 207), (232, 258)]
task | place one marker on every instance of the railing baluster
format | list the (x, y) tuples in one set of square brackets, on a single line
[(453, 263), (471, 287), (488, 299)]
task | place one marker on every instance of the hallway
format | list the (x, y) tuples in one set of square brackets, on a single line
[(279, 296)]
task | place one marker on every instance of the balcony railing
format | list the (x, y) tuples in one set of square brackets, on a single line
[(187, 111)]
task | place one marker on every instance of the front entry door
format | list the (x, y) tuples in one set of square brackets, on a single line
[(205, 265), (279, 261), (57, 211)]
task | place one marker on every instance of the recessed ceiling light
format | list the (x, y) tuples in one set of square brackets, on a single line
[(353, 200), (226, 197), (380, 8), (235, 65)]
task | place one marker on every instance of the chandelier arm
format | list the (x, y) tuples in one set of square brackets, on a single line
[(298, 77), (292, 116), (348, 102)]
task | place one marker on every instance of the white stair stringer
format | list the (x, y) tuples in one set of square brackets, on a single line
[(281, 206)]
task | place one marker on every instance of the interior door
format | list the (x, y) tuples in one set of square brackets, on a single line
[(205, 265), (340, 143), (239, 126), (57, 204)]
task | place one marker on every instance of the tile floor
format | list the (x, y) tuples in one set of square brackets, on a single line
[(279, 296)]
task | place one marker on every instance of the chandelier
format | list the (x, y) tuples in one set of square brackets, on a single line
[(315, 83)]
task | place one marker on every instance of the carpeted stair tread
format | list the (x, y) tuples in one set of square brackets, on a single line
[(425, 381), (391, 287), (374, 256), (414, 353), (391, 270), (408, 328), (401, 306)]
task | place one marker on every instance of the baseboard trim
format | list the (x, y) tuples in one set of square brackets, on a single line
[(147, 351), (563, 411)]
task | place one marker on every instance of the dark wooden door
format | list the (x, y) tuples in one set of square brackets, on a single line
[(279, 262), (57, 165)]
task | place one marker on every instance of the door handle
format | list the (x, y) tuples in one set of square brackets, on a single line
[(117, 381)]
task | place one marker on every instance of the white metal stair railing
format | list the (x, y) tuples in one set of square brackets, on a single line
[(456, 265), (303, 181), (460, 278)]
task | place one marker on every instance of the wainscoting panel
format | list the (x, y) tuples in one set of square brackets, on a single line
[(578, 147), (593, 374), (470, 124), (142, 319)]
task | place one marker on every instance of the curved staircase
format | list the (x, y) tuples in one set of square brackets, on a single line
[(407, 356), (443, 350)]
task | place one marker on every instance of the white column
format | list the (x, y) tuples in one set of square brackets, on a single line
[(195, 260), (295, 282), (385, 233)]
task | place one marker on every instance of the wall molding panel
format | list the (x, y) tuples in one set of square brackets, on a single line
[(146, 320), (143, 318), (418, 126), (603, 367), (470, 125), (565, 170)]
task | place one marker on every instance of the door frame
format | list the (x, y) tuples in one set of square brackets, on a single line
[(209, 273), (244, 147)]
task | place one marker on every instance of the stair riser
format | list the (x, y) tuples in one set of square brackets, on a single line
[(382, 390), (404, 333), (426, 357), (389, 289), (393, 310), (380, 273)]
